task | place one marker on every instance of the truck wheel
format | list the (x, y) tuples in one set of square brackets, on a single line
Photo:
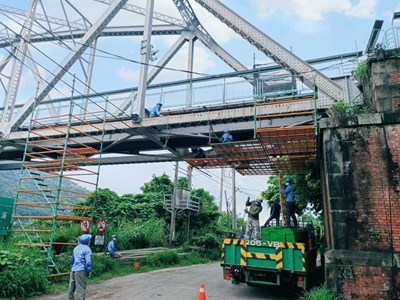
[(234, 280), (250, 284)]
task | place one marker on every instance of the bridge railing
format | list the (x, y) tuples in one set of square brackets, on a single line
[(228, 91), (236, 87), (391, 38)]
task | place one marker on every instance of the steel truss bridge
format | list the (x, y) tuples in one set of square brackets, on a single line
[(272, 111), (196, 110)]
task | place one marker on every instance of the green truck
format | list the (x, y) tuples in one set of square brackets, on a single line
[(284, 255)]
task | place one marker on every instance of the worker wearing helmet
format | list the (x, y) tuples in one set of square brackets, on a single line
[(156, 110), (226, 137), (253, 222), (81, 266), (288, 191), (275, 213), (112, 248)]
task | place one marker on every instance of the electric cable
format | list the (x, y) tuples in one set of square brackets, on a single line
[(120, 57), (110, 55)]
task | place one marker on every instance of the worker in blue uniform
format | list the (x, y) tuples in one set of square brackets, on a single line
[(156, 110)]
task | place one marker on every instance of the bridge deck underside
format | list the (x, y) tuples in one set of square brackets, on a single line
[(275, 151)]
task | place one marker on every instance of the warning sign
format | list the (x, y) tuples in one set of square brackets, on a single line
[(84, 226), (99, 240), (6, 211), (101, 225)]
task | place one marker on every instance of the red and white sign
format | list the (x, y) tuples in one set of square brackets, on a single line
[(84, 226), (101, 225)]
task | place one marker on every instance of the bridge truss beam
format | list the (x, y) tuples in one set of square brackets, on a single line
[(91, 35), (282, 56)]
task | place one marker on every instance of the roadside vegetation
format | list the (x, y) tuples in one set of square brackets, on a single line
[(139, 221), (319, 293)]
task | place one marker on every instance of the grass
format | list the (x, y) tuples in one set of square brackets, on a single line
[(319, 293)]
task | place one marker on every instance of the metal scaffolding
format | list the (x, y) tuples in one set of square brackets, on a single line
[(45, 195), (274, 151)]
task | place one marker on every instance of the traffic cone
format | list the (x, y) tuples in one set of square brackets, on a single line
[(202, 293)]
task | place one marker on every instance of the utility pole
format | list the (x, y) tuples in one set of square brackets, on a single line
[(227, 208), (234, 224), (282, 202), (221, 189), (173, 206), (190, 172)]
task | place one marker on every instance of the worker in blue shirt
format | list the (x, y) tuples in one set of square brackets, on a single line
[(156, 110), (226, 137), (288, 191), (81, 266), (112, 248)]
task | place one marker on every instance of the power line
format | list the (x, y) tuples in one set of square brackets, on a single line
[(111, 55)]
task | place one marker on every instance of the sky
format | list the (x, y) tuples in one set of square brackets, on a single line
[(309, 28)]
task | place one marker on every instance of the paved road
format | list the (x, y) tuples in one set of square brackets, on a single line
[(180, 283)]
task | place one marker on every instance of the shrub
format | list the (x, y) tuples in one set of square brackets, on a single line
[(319, 293), (207, 241), (22, 271), (130, 235), (339, 107), (165, 258), (360, 71), (103, 263), (343, 110)]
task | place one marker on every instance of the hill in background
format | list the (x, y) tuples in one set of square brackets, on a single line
[(10, 180)]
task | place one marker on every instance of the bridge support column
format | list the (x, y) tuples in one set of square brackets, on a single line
[(145, 51), (361, 167), (362, 221)]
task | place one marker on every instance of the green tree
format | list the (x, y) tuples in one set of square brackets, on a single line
[(307, 191), (154, 192), (158, 185), (208, 215), (103, 202), (183, 182)]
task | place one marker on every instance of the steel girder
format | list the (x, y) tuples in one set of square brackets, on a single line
[(107, 32), (45, 18), (157, 16), (91, 35), (201, 33), (16, 73)]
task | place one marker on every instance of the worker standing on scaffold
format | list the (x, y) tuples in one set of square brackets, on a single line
[(253, 222), (288, 191)]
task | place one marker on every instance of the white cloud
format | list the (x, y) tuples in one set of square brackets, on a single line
[(127, 74), (27, 80), (203, 61), (61, 91), (218, 30), (364, 9), (315, 9)]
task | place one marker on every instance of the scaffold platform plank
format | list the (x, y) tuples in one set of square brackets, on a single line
[(58, 218), (206, 163), (285, 150)]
